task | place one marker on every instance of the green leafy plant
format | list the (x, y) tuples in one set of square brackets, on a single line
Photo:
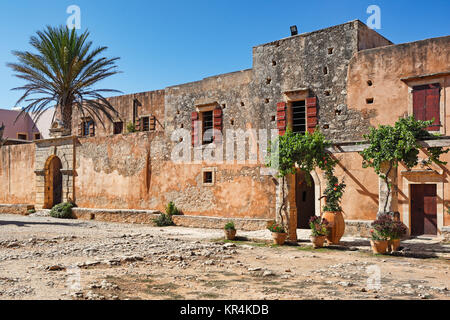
[(333, 192), (31, 211), (230, 226), (319, 226), (172, 210), (62, 211), (390, 145), (163, 220), (305, 151), (131, 127), (277, 228)]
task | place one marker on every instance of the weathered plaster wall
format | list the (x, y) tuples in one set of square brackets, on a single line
[(17, 178), (385, 67), (150, 103), (133, 171)]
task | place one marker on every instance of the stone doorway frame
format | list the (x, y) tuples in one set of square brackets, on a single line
[(423, 177), (291, 205), (64, 149)]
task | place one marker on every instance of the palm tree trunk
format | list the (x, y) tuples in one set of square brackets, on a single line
[(66, 111)]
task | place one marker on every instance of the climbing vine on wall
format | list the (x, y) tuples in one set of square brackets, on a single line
[(306, 152), (396, 144)]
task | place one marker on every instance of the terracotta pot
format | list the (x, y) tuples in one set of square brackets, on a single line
[(393, 245), (317, 241), (279, 238), (337, 226), (230, 234), (379, 246)]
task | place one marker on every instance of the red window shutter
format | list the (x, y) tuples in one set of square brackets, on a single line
[(217, 123), (426, 104), (92, 130), (138, 124), (194, 129), (432, 108), (152, 123), (419, 104), (281, 118), (311, 114)]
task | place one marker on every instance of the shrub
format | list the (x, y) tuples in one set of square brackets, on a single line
[(131, 127), (172, 210), (163, 220), (230, 226), (62, 211), (382, 227), (278, 228), (398, 230), (319, 226)]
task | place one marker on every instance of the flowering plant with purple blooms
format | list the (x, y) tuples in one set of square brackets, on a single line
[(278, 228), (319, 226), (398, 230)]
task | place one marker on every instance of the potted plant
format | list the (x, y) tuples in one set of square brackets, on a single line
[(332, 211), (380, 233), (398, 230), (230, 231), (279, 234), (319, 231)]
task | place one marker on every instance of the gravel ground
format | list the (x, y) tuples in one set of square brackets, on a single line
[(47, 258)]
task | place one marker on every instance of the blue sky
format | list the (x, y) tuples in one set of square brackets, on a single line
[(163, 43)]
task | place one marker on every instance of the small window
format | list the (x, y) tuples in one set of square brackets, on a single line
[(37, 136), (207, 177), (299, 116), (22, 136), (207, 126), (145, 123), (118, 127), (87, 125)]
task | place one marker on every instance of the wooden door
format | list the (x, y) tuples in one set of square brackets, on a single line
[(304, 200), (423, 209)]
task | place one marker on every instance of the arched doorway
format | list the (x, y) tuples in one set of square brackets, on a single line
[(304, 199), (53, 182)]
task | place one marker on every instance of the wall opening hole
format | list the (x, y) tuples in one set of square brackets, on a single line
[(182, 126), (369, 83), (92, 217), (337, 112), (242, 103), (330, 50), (369, 100), (268, 81), (224, 106), (325, 70), (273, 118), (232, 122), (326, 126), (267, 100), (207, 177), (327, 93), (274, 63)]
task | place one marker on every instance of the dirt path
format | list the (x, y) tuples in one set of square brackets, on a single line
[(46, 258)]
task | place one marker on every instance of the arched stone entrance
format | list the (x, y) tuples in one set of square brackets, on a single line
[(54, 172), (304, 198), (53, 182)]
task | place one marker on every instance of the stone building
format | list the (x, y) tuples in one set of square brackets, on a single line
[(343, 79)]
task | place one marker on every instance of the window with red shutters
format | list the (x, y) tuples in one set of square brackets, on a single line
[(194, 128), (281, 118), (217, 123), (311, 114), (426, 104)]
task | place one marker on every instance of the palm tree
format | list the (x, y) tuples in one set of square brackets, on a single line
[(64, 72)]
